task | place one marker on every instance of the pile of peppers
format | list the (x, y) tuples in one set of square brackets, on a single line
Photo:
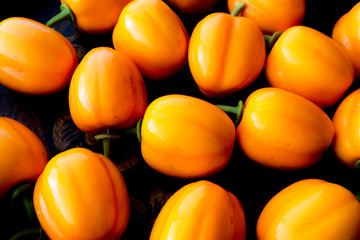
[(230, 120)]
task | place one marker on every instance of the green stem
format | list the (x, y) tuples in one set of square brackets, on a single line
[(271, 39), (237, 111), (25, 193), (29, 208), (28, 234), (357, 195), (65, 13), (357, 164), (21, 190), (106, 141), (106, 137), (135, 130), (238, 8)]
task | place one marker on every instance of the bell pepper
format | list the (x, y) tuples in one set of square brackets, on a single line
[(347, 34), (35, 59), (106, 91), (186, 137), (153, 36), (193, 6), (346, 120), (311, 209), (272, 16), (22, 155), (90, 16), (311, 64), (81, 195), (291, 131), (200, 210), (226, 53)]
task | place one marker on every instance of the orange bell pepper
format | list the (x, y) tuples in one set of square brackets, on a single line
[(22, 155), (346, 33), (153, 36), (186, 137), (346, 120), (81, 195), (90, 16), (193, 6), (311, 64), (311, 209), (200, 210), (226, 54), (106, 91), (272, 16), (35, 59), (291, 131)]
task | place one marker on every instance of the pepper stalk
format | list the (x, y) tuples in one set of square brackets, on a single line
[(65, 13), (357, 164), (24, 196), (269, 39), (236, 111), (136, 130), (107, 137), (106, 141)]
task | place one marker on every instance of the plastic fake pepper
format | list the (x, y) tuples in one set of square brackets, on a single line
[(347, 34), (106, 91), (22, 154), (81, 195), (272, 15), (283, 130), (346, 121), (200, 210), (226, 53), (186, 137), (311, 209), (34, 58), (90, 16), (193, 6), (311, 64), (153, 36)]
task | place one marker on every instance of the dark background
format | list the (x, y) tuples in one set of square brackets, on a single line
[(48, 116)]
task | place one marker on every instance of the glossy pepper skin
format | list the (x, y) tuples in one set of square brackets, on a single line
[(346, 120), (153, 36), (106, 91), (34, 59), (311, 209), (186, 137), (81, 195), (95, 17), (311, 64), (291, 131), (193, 6), (22, 154), (200, 210), (272, 15), (347, 34), (226, 54)]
